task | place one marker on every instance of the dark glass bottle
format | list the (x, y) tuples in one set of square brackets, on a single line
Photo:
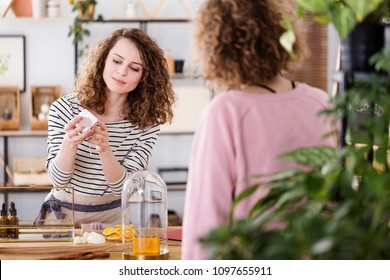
[(13, 221), (3, 222)]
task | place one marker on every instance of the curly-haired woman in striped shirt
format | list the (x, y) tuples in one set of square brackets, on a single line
[(126, 86)]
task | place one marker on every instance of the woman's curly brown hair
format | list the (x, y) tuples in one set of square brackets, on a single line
[(238, 41), (151, 101)]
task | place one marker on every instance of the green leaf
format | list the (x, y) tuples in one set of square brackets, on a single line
[(381, 60), (322, 246), (322, 19), (362, 8), (291, 196), (247, 192), (312, 156), (381, 155), (314, 187), (314, 6), (343, 18), (300, 11), (287, 39)]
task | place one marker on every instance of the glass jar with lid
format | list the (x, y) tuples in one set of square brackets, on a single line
[(144, 217)]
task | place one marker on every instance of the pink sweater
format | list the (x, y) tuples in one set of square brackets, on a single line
[(241, 134)]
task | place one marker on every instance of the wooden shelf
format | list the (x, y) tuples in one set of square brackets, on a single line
[(113, 20), (25, 189), (31, 19), (23, 133), (138, 20)]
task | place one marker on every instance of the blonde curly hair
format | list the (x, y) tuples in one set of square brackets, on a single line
[(151, 101), (238, 41)]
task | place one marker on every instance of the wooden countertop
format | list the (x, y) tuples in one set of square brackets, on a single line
[(111, 250)]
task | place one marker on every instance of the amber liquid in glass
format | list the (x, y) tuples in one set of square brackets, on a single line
[(144, 245)]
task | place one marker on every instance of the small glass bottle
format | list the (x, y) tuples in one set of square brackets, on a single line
[(13, 222), (53, 8), (131, 9), (7, 114), (44, 110), (170, 62), (3, 222)]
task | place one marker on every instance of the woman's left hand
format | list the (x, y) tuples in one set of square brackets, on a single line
[(100, 138)]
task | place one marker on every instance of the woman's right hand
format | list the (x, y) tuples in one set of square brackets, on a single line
[(74, 134), (66, 157)]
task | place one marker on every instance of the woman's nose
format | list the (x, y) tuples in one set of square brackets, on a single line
[(122, 71)]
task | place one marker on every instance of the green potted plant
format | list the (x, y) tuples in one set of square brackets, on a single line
[(340, 207), (360, 24), (85, 13), (343, 14)]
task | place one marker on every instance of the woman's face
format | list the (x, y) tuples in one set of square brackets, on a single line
[(123, 68)]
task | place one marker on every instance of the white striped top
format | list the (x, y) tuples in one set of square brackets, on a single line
[(131, 146)]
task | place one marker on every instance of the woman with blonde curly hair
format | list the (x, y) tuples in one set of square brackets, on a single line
[(257, 115), (125, 85)]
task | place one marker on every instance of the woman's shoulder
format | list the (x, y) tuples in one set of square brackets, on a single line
[(67, 105), (234, 101), (308, 89), (228, 104), (69, 100), (225, 98)]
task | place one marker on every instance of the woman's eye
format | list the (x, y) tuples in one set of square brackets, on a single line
[(116, 61), (134, 69)]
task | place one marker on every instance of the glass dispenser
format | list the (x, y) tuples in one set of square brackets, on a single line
[(144, 217)]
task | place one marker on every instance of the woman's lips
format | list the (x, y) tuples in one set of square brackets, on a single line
[(119, 81)]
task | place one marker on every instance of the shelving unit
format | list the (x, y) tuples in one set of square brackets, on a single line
[(17, 133), (12, 134), (143, 22)]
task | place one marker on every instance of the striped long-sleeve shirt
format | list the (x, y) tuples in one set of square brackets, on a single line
[(131, 146)]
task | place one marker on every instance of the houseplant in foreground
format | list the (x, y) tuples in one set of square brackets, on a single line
[(340, 208)]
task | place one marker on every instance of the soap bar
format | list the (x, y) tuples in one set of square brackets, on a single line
[(88, 119)]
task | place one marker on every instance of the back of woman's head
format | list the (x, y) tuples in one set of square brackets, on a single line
[(238, 41)]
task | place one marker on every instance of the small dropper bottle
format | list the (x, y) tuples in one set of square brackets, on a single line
[(3, 222), (13, 220)]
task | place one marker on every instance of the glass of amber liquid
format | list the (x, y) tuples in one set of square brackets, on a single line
[(145, 245), (144, 208)]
